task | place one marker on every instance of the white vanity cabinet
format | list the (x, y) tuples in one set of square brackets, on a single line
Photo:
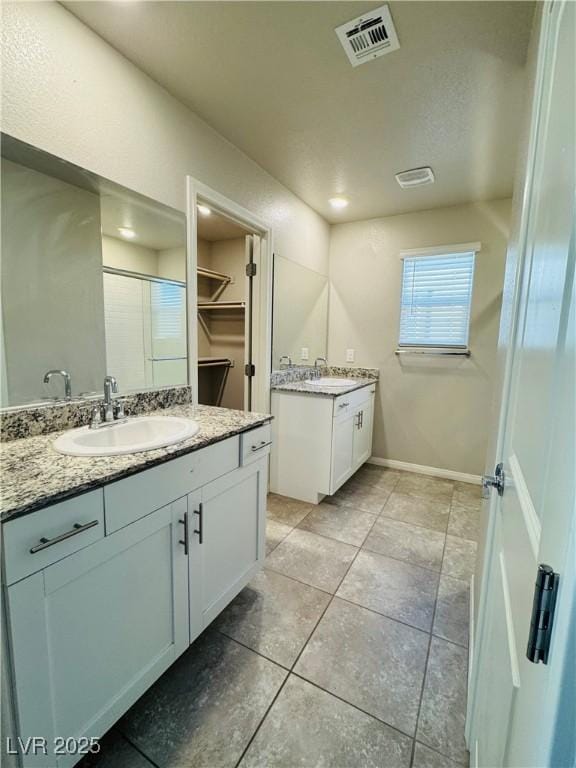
[(319, 441), (93, 625), (91, 632)]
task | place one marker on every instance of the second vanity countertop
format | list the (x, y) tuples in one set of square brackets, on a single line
[(34, 474), (311, 389)]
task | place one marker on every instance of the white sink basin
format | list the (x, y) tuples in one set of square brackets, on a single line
[(331, 381), (143, 433)]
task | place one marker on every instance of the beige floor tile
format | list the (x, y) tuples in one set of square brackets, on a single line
[(312, 559), (418, 510), (368, 660), (343, 523), (403, 541), (399, 590)]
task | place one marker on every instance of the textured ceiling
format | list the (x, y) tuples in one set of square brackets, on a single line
[(272, 78)]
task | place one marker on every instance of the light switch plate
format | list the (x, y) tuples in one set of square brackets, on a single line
[(349, 355), (305, 353)]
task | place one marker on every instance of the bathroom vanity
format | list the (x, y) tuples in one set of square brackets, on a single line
[(321, 436), (105, 588)]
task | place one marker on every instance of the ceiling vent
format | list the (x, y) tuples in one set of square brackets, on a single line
[(368, 37), (416, 177)]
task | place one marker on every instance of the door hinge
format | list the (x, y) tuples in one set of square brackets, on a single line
[(250, 369), (251, 269), (497, 480), (542, 614)]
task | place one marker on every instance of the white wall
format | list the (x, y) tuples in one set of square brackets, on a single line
[(68, 92), (429, 411)]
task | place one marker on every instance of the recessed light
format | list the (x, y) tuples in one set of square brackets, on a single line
[(126, 232), (338, 202), (204, 210)]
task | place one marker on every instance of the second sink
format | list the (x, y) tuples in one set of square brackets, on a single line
[(331, 381)]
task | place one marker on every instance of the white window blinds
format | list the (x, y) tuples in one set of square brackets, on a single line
[(436, 298), (168, 310)]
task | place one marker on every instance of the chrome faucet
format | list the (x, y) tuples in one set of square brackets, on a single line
[(285, 357), (67, 381), (110, 387), (108, 411), (323, 360)]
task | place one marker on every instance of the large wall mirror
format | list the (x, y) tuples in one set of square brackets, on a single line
[(93, 282), (300, 328)]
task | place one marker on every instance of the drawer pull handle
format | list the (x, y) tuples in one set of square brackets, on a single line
[(261, 445), (200, 529), (343, 405), (184, 522), (78, 528)]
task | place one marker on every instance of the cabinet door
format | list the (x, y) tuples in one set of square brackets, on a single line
[(93, 631), (363, 424), (342, 450), (228, 547)]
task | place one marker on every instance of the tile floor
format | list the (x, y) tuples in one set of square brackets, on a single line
[(349, 650)]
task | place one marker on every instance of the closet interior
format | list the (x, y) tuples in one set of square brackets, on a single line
[(223, 311)]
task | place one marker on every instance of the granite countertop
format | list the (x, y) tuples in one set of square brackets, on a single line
[(311, 389), (35, 475)]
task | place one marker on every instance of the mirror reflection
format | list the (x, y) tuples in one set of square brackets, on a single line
[(300, 328), (93, 283)]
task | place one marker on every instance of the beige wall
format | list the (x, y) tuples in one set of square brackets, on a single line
[(52, 294), (172, 263), (429, 411), (122, 255), (68, 92)]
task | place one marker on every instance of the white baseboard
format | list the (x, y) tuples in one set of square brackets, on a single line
[(447, 474)]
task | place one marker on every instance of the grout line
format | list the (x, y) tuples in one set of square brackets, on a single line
[(428, 652), (247, 747), (417, 525), (354, 706), (440, 754), (249, 648), (299, 581), (137, 748), (386, 616), (364, 548)]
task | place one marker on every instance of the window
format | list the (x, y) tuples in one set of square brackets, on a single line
[(168, 310), (436, 297)]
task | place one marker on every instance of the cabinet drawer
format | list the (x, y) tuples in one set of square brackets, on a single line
[(255, 443), (347, 403), (130, 499), (39, 539)]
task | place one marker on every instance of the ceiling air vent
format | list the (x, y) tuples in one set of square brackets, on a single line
[(416, 177), (368, 37)]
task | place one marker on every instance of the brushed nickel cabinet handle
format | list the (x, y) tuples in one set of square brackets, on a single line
[(78, 528)]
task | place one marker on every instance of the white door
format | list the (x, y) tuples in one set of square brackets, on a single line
[(518, 715)]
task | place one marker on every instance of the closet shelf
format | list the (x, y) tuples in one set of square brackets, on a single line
[(212, 362), (211, 275), (221, 305)]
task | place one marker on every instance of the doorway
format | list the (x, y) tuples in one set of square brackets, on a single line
[(229, 255)]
